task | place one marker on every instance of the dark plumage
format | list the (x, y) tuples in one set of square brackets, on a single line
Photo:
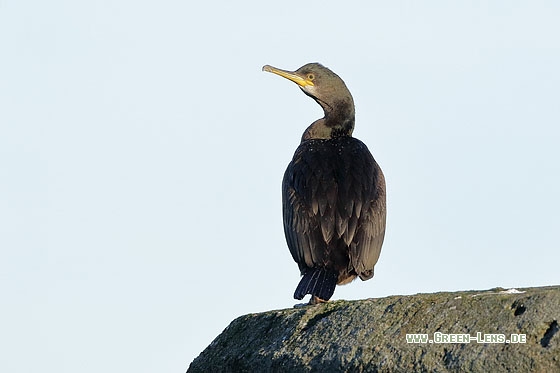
[(333, 192)]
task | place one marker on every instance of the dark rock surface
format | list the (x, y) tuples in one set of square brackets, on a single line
[(370, 335)]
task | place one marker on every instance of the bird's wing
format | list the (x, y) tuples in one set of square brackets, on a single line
[(368, 239), (301, 224), (361, 209), (328, 199)]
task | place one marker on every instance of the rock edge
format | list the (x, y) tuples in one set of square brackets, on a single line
[(370, 335)]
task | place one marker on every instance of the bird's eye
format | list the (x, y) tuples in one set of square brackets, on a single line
[(310, 76)]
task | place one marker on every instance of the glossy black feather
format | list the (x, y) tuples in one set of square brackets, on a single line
[(334, 207), (317, 281)]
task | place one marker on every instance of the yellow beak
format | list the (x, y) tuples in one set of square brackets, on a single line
[(294, 77)]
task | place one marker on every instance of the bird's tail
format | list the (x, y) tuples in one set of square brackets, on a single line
[(319, 282)]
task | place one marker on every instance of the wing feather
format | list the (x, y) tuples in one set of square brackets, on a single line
[(334, 199)]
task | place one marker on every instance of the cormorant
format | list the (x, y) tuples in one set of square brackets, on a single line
[(333, 192)]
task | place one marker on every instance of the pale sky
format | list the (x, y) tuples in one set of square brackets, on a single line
[(142, 151)]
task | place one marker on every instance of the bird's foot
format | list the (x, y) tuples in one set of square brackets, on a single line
[(313, 301), (316, 300)]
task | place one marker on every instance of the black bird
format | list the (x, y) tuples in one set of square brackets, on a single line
[(333, 192)]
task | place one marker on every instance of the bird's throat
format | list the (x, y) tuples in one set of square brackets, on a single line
[(317, 130), (337, 122), (320, 129)]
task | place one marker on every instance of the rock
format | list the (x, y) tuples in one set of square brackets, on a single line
[(371, 335)]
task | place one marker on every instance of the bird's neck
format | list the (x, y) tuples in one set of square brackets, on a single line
[(337, 122)]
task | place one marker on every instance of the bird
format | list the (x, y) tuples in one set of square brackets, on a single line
[(333, 192)]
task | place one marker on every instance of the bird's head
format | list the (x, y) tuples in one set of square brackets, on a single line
[(325, 87)]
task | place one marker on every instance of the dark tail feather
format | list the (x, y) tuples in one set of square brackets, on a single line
[(319, 282)]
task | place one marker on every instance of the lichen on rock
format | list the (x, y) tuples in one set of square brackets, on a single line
[(371, 335)]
